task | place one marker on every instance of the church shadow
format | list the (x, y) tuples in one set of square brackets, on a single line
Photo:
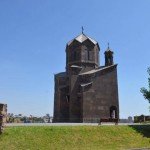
[(142, 129)]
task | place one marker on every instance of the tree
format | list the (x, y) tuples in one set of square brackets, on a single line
[(144, 91)]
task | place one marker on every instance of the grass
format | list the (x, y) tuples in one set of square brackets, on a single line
[(75, 138)]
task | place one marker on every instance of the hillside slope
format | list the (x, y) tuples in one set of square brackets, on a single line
[(75, 138)]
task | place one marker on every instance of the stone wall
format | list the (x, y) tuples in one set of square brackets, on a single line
[(100, 96), (61, 98), (3, 116)]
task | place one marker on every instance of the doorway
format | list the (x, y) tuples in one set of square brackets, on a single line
[(113, 112)]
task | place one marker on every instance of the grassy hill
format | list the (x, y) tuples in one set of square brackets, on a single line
[(75, 137)]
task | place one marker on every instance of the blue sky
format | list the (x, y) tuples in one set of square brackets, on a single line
[(33, 36)]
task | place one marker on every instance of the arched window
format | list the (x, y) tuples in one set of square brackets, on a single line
[(68, 98), (88, 55)]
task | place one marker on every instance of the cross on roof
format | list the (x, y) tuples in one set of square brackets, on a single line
[(108, 45), (82, 29)]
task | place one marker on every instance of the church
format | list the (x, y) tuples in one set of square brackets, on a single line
[(87, 90)]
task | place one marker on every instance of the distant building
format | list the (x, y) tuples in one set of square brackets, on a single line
[(47, 119), (129, 120), (86, 91)]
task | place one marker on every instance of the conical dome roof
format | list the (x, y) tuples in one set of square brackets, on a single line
[(81, 38)]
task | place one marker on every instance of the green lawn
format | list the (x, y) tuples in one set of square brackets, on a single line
[(75, 137)]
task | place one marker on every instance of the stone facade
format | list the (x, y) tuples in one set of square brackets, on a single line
[(87, 91), (3, 114)]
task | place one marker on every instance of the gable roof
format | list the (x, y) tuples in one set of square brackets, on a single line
[(97, 70)]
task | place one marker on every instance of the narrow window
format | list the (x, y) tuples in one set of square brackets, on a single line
[(88, 55), (75, 55), (68, 98)]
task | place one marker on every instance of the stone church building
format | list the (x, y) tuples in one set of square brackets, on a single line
[(87, 90)]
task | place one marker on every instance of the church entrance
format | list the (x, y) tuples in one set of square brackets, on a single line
[(113, 112)]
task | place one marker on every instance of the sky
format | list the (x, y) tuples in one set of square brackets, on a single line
[(33, 37)]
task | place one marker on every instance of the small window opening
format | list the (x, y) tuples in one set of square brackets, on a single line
[(68, 98)]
